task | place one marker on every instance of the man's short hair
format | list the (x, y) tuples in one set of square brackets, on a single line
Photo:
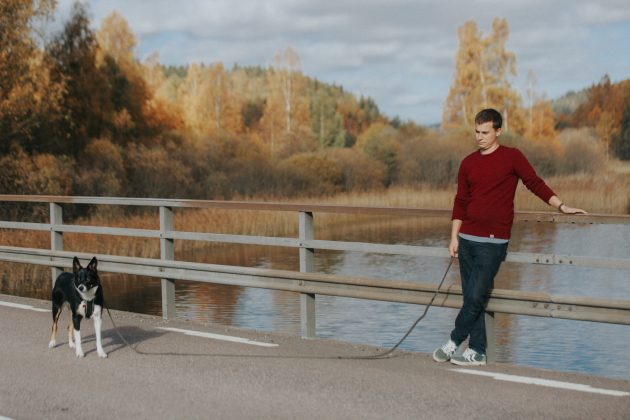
[(487, 115)]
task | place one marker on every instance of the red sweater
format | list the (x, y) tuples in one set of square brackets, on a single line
[(486, 185)]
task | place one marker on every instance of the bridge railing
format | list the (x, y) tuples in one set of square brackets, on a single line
[(307, 282)]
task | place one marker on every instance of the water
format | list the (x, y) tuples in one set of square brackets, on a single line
[(565, 345)]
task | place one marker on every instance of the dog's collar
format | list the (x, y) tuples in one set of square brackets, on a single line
[(89, 296)]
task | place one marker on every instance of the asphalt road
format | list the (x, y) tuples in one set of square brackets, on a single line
[(206, 377)]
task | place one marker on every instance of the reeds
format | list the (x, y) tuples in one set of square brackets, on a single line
[(607, 193)]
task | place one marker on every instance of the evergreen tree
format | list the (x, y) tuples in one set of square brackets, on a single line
[(621, 142), (85, 102)]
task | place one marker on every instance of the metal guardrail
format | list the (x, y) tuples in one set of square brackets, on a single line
[(306, 282)]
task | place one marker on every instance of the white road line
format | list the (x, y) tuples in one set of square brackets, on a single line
[(545, 382), (20, 306), (220, 337)]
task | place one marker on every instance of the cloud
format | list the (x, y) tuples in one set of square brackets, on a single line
[(602, 14)]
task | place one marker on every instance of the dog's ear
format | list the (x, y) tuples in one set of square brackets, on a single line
[(76, 265), (92, 265)]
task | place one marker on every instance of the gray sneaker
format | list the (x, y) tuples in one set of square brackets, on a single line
[(469, 358), (444, 353)]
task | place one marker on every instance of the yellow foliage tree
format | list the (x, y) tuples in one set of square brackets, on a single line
[(187, 97), (540, 118), (208, 101), (482, 67), (219, 105), (116, 39), (287, 108), (161, 106)]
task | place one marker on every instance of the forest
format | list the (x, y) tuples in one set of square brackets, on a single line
[(81, 115)]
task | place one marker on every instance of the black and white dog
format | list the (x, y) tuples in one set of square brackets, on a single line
[(80, 290)]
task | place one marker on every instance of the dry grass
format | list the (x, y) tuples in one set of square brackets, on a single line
[(424, 197), (608, 193)]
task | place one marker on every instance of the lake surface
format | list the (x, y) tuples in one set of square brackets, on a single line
[(565, 345)]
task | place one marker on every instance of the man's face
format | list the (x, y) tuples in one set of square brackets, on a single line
[(487, 137)]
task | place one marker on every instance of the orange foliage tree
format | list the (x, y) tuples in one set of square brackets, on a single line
[(130, 96), (604, 109), (161, 105), (540, 118), (27, 94)]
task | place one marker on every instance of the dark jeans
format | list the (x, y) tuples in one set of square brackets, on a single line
[(479, 262)]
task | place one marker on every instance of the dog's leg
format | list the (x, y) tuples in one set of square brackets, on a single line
[(56, 311), (77, 343), (70, 335), (98, 323), (76, 322)]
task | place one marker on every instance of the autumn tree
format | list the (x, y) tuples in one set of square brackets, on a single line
[(161, 103), (286, 112), (359, 171), (357, 116), (291, 84), (117, 40), (431, 158), (24, 173), (187, 96), (101, 172), (482, 67), (250, 86), (209, 102), (540, 117), (85, 103), (222, 106), (152, 172), (464, 94), (27, 94), (128, 90), (381, 142), (604, 109), (311, 174)]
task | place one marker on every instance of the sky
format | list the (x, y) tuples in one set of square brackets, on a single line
[(401, 53)]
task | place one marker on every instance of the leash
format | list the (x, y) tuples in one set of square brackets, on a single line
[(118, 331), (404, 337), (381, 355)]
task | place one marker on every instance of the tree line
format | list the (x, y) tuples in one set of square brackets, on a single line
[(81, 115)]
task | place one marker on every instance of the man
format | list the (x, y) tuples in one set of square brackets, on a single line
[(483, 212)]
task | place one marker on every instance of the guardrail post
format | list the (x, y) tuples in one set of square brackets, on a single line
[(307, 265), (490, 336), (56, 238), (167, 252)]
